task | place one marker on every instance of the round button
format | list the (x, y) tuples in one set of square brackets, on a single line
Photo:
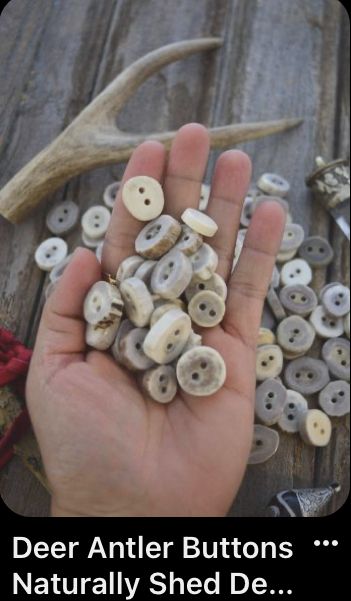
[(275, 279), (336, 300), (325, 325), (269, 362), (274, 302), (124, 327), (58, 270), (91, 242), (336, 354), (101, 336), (204, 197), (206, 309), (102, 304), (295, 405), (157, 237), (144, 271), (171, 275), (199, 222), (315, 428), (161, 310), (292, 238), (131, 350), (138, 302), (143, 197), (128, 267), (295, 335), (160, 383), (334, 399), (317, 251), (95, 222), (296, 271), (265, 336), (62, 218), (201, 371), (168, 336), (270, 400), (110, 194), (298, 299), (285, 256), (50, 253), (306, 375), (189, 241), (214, 283), (265, 444), (273, 184)]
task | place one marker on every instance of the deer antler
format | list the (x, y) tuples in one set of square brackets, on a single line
[(93, 139)]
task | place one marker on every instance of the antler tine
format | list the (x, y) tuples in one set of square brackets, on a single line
[(112, 99)]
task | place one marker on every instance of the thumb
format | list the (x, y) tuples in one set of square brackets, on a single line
[(62, 327)]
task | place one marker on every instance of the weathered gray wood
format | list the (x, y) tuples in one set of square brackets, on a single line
[(279, 59)]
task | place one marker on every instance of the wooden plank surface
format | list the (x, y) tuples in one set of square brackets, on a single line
[(279, 59)]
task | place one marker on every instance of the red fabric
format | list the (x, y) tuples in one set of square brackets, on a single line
[(14, 363)]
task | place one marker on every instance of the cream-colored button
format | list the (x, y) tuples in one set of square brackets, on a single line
[(102, 304), (265, 336), (292, 238), (128, 267), (325, 325), (315, 428), (168, 336), (125, 326), (270, 400), (110, 194), (275, 305), (269, 361), (296, 271), (193, 341), (201, 371), (171, 275), (199, 222), (215, 283), (273, 184), (137, 299), (50, 253), (101, 336), (347, 325), (161, 310), (295, 334), (98, 251), (157, 237), (204, 197), (144, 271), (189, 241), (206, 309), (265, 444), (204, 262), (58, 270), (95, 222), (285, 256), (131, 350), (295, 405), (143, 197), (160, 383), (62, 217), (91, 242), (334, 399)]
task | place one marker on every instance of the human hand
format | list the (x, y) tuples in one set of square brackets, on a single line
[(108, 450)]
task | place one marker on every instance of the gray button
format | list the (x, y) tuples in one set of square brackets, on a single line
[(295, 406), (292, 238), (295, 335), (306, 375), (334, 399), (336, 354), (316, 251), (298, 299), (270, 400), (265, 444), (273, 301)]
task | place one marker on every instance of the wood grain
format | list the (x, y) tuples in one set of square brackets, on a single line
[(278, 59)]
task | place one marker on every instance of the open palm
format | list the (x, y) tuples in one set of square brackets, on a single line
[(107, 449)]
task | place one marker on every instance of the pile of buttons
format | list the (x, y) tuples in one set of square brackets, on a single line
[(170, 284)]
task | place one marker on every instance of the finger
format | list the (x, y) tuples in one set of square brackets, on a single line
[(148, 159), (230, 182), (62, 327), (186, 169), (250, 280)]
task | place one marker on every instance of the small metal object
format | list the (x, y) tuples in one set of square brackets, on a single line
[(107, 277), (305, 502), (330, 184)]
